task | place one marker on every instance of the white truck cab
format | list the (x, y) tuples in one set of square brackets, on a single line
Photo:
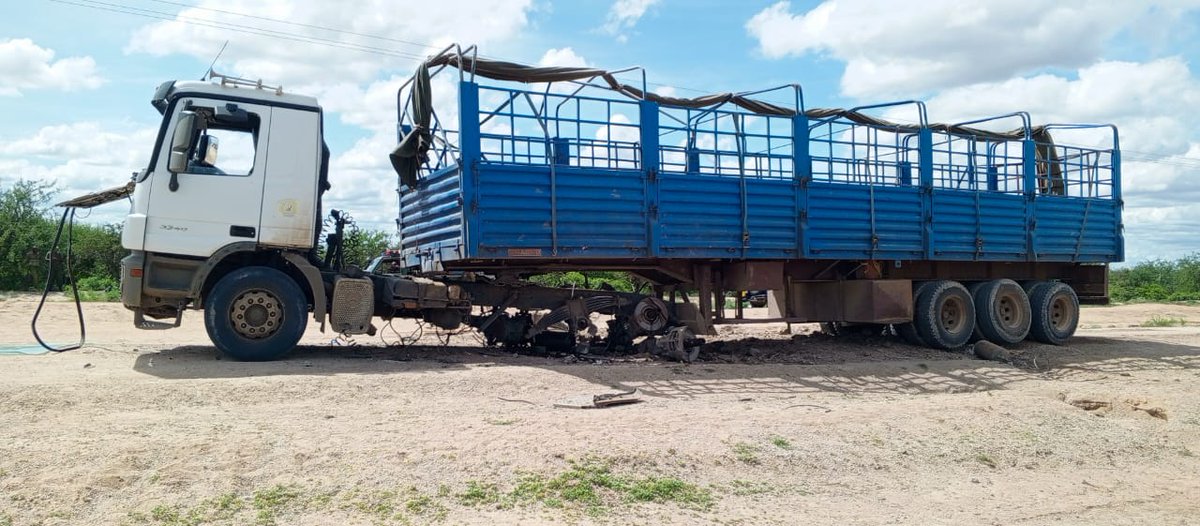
[(231, 164), (234, 183)]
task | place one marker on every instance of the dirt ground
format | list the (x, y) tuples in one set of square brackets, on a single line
[(146, 427)]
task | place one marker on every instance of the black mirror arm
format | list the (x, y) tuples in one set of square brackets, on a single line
[(174, 184)]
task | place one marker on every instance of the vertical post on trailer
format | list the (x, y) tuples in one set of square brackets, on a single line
[(468, 162), (1030, 184), (925, 177), (1118, 201), (802, 175), (648, 128)]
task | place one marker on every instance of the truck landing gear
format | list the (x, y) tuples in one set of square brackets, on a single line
[(255, 314)]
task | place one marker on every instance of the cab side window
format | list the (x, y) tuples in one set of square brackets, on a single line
[(226, 146)]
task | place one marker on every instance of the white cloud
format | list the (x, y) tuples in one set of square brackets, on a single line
[(397, 41), (563, 57), (1153, 103), (25, 66), (624, 15), (894, 50), (79, 158)]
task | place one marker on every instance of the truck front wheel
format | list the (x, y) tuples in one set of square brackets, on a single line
[(255, 314)]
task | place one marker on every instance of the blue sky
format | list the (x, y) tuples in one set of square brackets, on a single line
[(75, 81)]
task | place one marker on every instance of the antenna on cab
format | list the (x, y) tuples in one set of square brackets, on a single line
[(214, 61)]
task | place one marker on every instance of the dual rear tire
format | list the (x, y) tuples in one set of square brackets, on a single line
[(947, 315)]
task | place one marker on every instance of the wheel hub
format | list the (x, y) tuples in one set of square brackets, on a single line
[(256, 314), (952, 315), (1010, 314), (1058, 313)]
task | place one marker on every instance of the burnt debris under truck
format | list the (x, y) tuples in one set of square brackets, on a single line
[(947, 232)]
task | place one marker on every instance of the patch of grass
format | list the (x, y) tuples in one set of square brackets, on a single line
[(503, 421), (380, 504), (479, 494), (986, 460), (781, 442), (670, 489), (1164, 321), (228, 504), (177, 516), (6, 519), (590, 484), (269, 502), (425, 506), (746, 453)]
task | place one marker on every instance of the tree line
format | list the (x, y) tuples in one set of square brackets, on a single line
[(28, 221)]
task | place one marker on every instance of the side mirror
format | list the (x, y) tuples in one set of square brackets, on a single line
[(181, 142)]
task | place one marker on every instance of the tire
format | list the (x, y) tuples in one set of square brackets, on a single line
[(843, 329), (1002, 312), (831, 328), (908, 331), (945, 315), (974, 290), (1055, 312), (256, 314)]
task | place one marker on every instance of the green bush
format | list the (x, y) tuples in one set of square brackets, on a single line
[(621, 281), (1157, 280), (27, 228)]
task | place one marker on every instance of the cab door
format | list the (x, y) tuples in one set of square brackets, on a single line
[(218, 198)]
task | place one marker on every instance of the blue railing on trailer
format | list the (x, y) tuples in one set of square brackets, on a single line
[(555, 174)]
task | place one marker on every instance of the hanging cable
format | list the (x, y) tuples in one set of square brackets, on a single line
[(68, 220)]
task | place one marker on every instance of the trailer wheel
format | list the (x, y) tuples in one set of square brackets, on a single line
[(1055, 312), (255, 314), (1002, 311), (908, 331), (945, 315)]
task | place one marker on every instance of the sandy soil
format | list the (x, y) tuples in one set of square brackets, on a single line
[(149, 427)]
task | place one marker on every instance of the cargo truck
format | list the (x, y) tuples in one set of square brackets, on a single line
[(946, 233)]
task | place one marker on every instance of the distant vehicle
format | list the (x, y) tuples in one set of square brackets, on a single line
[(390, 262), (943, 230)]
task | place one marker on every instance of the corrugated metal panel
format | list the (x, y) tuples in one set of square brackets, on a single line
[(600, 213), (971, 225), (840, 221), (431, 218), (699, 216), (1075, 229)]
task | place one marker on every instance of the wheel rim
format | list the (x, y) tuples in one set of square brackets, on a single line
[(952, 315), (1060, 313), (256, 314), (1009, 313)]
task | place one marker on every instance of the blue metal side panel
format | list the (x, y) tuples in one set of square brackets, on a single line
[(971, 225), (771, 219), (431, 219), (1080, 229), (840, 221), (699, 216), (598, 213)]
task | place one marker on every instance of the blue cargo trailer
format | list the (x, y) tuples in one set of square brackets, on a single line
[(847, 218)]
